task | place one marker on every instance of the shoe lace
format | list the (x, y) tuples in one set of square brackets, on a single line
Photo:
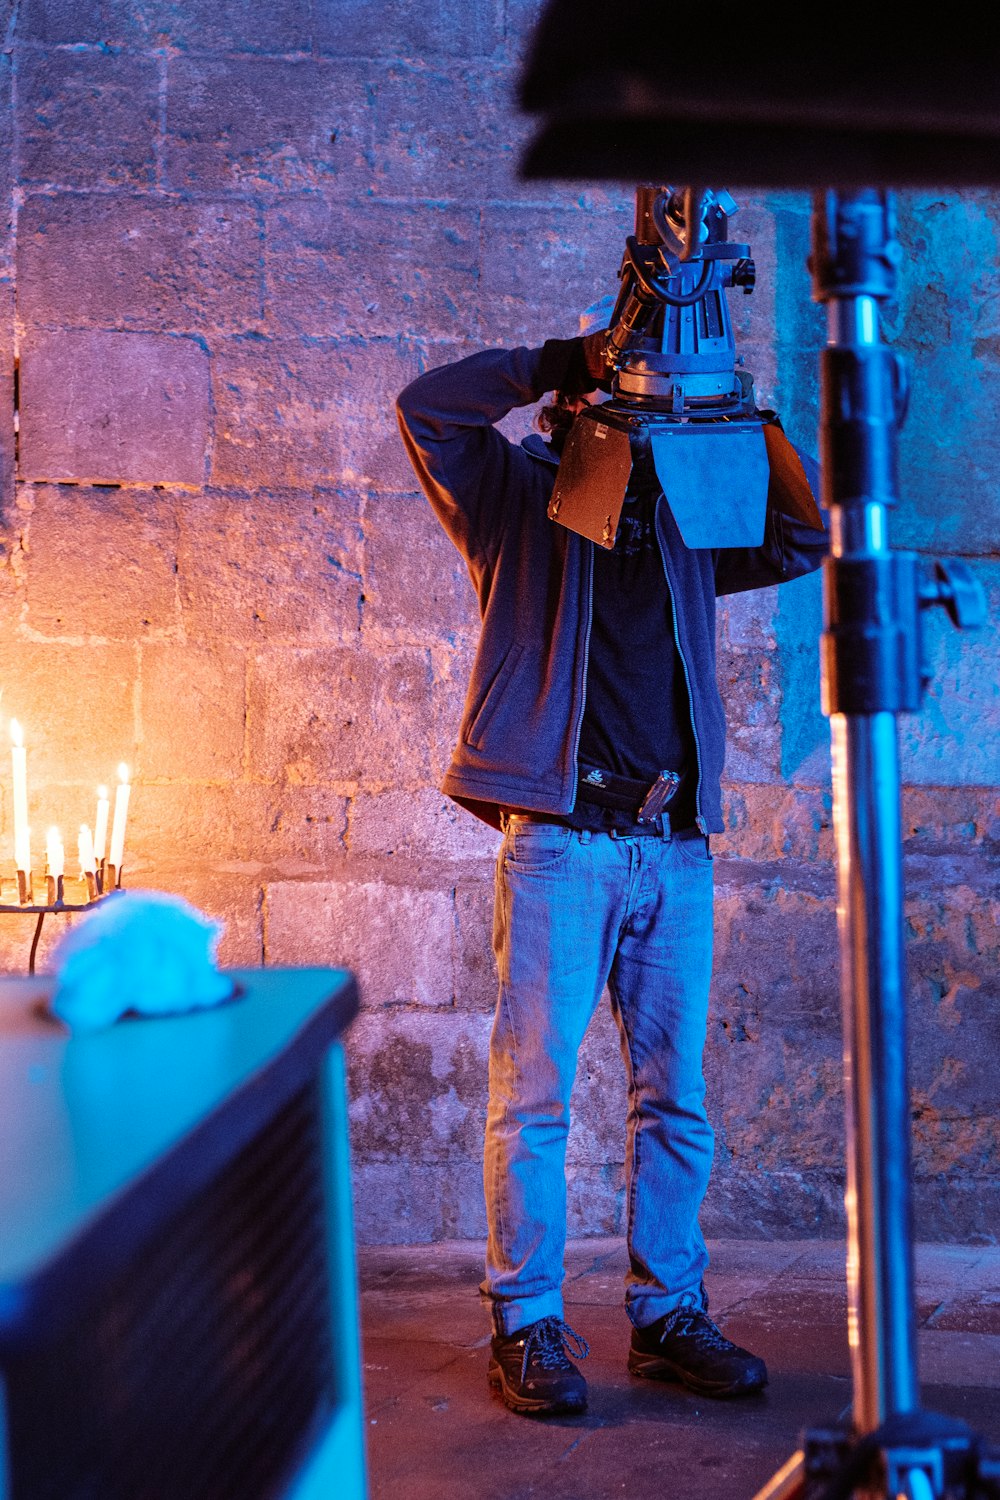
[(547, 1342), (696, 1323)]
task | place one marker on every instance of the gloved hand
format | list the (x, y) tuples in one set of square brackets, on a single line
[(588, 368), (595, 359), (575, 367)]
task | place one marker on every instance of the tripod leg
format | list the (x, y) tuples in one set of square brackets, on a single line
[(788, 1483)]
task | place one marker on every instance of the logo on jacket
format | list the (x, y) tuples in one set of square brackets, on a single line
[(594, 778)]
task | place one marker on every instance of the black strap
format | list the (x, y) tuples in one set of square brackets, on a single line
[(605, 789)]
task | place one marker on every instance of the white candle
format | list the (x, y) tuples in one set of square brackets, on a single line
[(118, 826), (85, 844), (101, 825), (19, 765), (55, 853)]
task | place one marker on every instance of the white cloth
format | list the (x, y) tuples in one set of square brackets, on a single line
[(142, 952)]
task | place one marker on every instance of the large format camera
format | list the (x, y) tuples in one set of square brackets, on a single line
[(680, 400)]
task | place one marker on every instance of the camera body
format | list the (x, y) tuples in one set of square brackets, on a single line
[(670, 343)]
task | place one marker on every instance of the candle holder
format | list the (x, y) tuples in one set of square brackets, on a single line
[(61, 895)]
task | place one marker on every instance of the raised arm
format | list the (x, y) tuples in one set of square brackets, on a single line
[(447, 419), (790, 547)]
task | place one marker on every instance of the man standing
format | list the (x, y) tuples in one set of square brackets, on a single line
[(592, 700)]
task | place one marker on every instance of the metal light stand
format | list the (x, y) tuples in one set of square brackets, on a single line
[(872, 671), (774, 105)]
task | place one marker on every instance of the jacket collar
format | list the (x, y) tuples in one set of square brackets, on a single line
[(536, 447)]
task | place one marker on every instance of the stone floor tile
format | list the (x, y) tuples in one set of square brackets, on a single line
[(456, 1261), (742, 1257), (961, 1359), (968, 1312), (728, 1292), (985, 1273), (786, 1304), (605, 1288), (949, 1263), (820, 1261), (440, 1317)]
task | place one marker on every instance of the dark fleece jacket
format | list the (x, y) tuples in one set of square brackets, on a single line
[(520, 729)]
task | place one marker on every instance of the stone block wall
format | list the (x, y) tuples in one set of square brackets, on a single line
[(232, 234)]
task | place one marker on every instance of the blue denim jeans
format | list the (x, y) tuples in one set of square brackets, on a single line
[(576, 911)]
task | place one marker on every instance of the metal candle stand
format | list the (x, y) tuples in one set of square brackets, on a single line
[(94, 887)]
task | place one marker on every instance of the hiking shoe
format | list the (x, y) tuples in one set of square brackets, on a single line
[(686, 1346), (531, 1371)]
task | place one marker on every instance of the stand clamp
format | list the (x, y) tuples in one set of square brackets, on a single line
[(916, 1455), (872, 649)]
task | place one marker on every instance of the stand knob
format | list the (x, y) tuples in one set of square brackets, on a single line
[(955, 586)]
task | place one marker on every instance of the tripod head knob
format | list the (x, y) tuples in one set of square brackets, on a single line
[(745, 275)]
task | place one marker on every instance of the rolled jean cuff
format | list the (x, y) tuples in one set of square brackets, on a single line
[(644, 1308), (511, 1315)]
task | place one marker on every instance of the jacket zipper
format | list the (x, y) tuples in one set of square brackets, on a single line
[(702, 826), (586, 663)]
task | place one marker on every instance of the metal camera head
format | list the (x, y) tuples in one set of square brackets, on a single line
[(670, 339), (682, 414)]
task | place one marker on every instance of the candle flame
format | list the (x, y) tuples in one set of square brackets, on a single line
[(123, 772), (15, 733), (102, 791)]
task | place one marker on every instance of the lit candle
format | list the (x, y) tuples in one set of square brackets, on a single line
[(118, 826), (19, 764), (101, 825), (55, 853), (24, 881), (85, 844)]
